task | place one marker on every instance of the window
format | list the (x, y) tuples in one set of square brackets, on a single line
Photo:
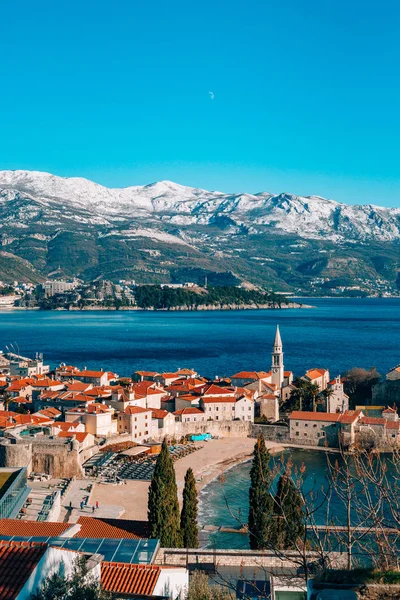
[(249, 408), (297, 423), (216, 408), (305, 424), (216, 418), (305, 435), (297, 433), (314, 425)]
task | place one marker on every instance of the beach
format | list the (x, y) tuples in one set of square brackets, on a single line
[(210, 461)]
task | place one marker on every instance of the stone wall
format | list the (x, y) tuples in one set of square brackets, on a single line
[(222, 429), (273, 433), (59, 459), (239, 558), (16, 455)]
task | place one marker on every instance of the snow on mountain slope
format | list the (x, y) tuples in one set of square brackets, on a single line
[(25, 195)]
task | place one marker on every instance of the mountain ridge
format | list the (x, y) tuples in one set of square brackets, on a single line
[(242, 233)]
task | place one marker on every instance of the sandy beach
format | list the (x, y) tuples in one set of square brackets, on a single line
[(207, 463)]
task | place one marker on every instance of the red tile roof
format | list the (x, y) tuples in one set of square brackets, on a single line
[(392, 424), (250, 375), (80, 436), (92, 374), (93, 527), (372, 421), (78, 386), (350, 416), (302, 415), (17, 561), (130, 579), (158, 413), (315, 373), (18, 527), (218, 399), (134, 410), (189, 410)]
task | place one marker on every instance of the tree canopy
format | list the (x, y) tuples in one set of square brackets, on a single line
[(163, 506)]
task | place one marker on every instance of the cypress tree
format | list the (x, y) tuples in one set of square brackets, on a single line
[(163, 506), (261, 503), (189, 529), (289, 512)]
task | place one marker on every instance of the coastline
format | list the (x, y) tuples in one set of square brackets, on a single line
[(199, 308), (231, 452)]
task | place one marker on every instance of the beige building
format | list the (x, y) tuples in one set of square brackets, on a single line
[(98, 419), (190, 415), (137, 422), (319, 377), (323, 429), (336, 400), (162, 424)]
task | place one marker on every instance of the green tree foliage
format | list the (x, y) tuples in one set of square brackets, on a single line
[(200, 589), (289, 527), (79, 586), (261, 504), (304, 397), (163, 506), (358, 384), (155, 296), (189, 528)]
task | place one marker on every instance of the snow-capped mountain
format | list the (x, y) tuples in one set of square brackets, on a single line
[(81, 199), (34, 204)]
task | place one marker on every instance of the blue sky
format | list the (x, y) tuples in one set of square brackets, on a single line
[(306, 94)]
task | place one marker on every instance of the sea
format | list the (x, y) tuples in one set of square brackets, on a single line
[(336, 334)]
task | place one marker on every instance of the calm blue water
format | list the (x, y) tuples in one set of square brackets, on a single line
[(337, 334), (225, 501)]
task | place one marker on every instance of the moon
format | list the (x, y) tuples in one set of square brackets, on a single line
[(212, 95)]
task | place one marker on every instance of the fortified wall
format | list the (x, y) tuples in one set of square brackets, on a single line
[(272, 433), (223, 429), (55, 457)]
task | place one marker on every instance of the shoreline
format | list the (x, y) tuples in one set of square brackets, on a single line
[(132, 497), (199, 308)]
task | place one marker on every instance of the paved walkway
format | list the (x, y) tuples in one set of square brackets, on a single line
[(81, 491)]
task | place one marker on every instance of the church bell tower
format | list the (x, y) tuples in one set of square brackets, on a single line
[(277, 368)]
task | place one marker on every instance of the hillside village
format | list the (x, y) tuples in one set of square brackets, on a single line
[(96, 407), (72, 439)]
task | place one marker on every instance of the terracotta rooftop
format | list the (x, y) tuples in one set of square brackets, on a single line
[(372, 421), (189, 410), (134, 410), (93, 527), (17, 561), (315, 373), (123, 578), (158, 413), (21, 528), (218, 399), (302, 415), (250, 375), (79, 436)]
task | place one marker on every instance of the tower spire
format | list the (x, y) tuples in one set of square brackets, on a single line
[(277, 368), (278, 340)]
